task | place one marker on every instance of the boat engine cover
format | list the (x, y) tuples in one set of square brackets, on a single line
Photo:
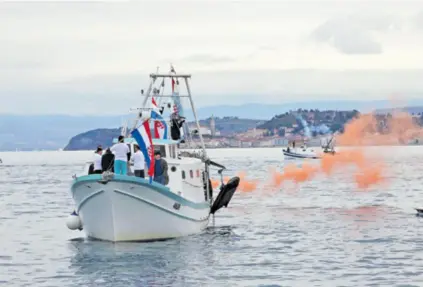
[(225, 195)]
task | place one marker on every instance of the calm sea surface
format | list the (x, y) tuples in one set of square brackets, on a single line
[(326, 232)]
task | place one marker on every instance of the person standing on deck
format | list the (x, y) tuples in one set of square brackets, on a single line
[(160, 169), (107, 161), (97, 160), (121, 151), (139, 162)]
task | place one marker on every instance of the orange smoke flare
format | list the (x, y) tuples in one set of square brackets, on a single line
[(245, 185), (367, 129)]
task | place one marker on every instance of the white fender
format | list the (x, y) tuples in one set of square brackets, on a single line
[(73, 221)]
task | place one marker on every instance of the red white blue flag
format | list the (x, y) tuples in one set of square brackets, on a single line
[(142, 136)]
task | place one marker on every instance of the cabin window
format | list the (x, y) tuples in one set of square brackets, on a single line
[(198, 173), (183, 174), (174, 151), (161, 149), (191, 173)]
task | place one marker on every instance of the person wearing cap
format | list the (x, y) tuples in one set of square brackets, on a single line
[(121, 151), (160, 169), (97, 160)]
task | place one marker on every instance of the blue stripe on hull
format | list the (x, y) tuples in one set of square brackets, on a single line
[(154, 186)]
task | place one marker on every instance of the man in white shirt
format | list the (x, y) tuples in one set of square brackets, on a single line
[(97, 160), (121, 150), (139, 162)]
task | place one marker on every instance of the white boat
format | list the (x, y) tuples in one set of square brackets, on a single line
[(116, 207), (300, 152), (307, 152)]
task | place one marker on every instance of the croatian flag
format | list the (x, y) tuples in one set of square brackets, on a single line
[(155, 107), (142, 135), (160, 126)]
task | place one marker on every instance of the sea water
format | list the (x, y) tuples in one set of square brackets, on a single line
[(325, 232)]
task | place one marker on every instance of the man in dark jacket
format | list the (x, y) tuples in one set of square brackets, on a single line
[(160, 169), (107, 161)]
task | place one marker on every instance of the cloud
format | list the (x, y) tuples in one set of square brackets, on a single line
[(418, 21), (207, 59), (96, 56), (355, 34)]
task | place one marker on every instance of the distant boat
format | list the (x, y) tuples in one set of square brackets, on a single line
[(300, 152), (307, 152)]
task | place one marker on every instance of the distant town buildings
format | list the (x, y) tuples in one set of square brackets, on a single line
[(288, 127), (206, 130)]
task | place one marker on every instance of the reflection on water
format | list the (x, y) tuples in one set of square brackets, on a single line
[(321, 233), (161, 263)]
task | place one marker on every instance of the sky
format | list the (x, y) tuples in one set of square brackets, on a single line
[(94, 57)]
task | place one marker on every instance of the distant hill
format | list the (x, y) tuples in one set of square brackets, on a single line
[(410, 110), (49, 132), (29, 132), (231, 125), (91, 139), (266, 111), (308, 122)]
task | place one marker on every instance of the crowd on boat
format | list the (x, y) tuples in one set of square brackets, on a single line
[(118, 159)]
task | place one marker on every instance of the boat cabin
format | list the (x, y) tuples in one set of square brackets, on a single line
[(185, 173), (167, 148)]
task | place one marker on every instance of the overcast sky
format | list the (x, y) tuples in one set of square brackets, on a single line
[(76, 57)]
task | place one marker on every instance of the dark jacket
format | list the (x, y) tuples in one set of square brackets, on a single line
[(91, 169), (108, 162), (164, 167)]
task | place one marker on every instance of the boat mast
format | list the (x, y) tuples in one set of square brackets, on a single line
[(154, 77), (150, 87), (203, 147)]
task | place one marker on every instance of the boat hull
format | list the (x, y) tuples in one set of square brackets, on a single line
[(298, 155), (127, 208)]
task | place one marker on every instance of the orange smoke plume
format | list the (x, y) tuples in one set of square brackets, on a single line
[(370, 129), (367, 172), (365, 130), (245, 185)]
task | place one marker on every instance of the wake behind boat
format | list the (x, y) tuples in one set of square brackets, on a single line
[(121, 207)]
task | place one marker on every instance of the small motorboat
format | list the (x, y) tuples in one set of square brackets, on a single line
[(307, 152), (419, 212), (300, 152)]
